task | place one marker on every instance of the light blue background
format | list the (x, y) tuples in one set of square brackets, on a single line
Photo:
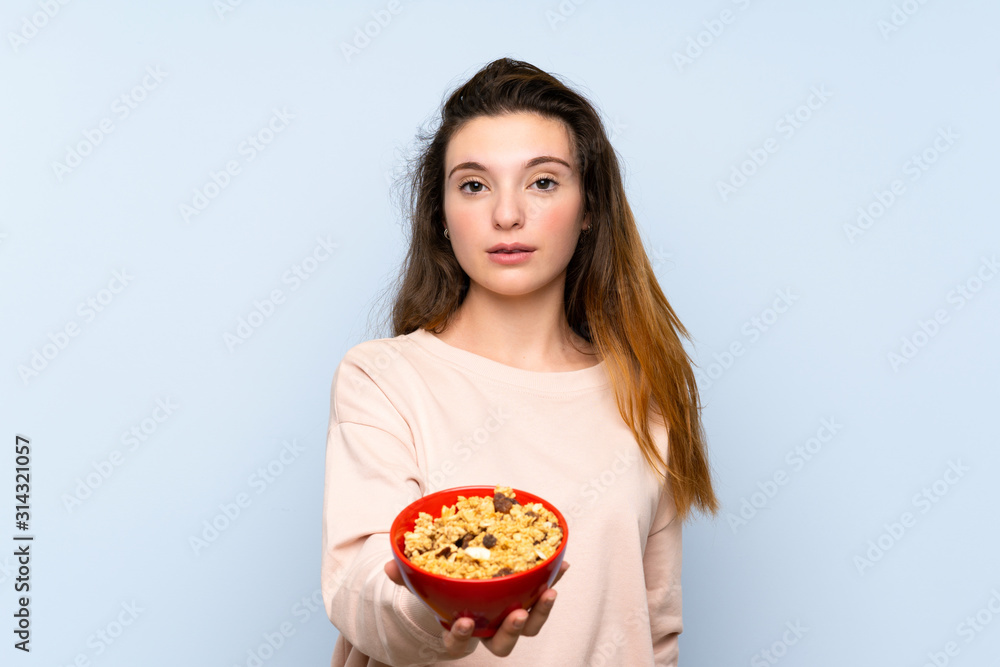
[(680, 128)]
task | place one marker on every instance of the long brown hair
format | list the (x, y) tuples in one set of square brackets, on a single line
[(612, 298)]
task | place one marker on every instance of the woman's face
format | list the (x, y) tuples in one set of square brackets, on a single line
[(512, 179)]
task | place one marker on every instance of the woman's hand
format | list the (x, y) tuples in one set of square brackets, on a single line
[(518, 622)]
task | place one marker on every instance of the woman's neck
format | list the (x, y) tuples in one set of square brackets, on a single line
[(531, 336)]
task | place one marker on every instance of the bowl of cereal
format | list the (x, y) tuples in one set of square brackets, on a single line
[(479, 552)]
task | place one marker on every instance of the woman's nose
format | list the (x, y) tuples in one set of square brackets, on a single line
[(508, 211)]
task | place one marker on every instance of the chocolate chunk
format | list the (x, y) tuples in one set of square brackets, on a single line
[(489, 541), (502, 503), (504, 571), (444, 553)]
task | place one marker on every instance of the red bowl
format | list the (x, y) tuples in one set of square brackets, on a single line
[(485, 601)]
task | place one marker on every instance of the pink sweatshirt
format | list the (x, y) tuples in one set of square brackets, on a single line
[(412, 414)]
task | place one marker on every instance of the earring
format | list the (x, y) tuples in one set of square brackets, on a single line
[(446, 235)]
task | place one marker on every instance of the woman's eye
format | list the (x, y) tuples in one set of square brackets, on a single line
[(545, 184)]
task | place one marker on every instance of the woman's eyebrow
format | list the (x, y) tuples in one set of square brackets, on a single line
[(542, 159)]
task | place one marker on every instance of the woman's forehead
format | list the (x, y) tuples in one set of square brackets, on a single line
[(509, 142)]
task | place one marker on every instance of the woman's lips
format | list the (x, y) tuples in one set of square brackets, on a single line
[(515, 257)]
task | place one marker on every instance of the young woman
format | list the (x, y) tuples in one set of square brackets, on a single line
[(532, 348)]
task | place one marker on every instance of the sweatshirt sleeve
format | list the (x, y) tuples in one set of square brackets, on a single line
[(662, 566), (371, 474)]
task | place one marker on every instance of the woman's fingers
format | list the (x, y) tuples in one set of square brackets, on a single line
[(519, 622), (502, 643), (457, 639), (392, 569), (539, 613), (540, 610), (562, 570)]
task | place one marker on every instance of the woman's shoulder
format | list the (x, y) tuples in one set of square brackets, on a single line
[(380, 351), (377, 359), (374, 373)]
